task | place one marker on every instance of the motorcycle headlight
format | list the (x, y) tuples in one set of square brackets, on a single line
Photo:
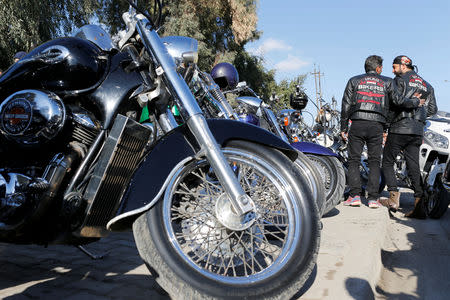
[(437, 139)]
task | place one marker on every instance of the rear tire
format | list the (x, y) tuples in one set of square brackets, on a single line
[(333, 176), (193, 256), (311, 174)]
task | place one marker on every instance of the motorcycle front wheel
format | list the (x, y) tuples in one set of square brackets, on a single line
[(437, 201), (194, 256)]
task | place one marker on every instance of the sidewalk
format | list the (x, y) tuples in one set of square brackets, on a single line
[(348, 266), (349, 261)]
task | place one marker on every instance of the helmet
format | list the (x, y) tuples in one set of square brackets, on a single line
[(19, 54), (225, 75), (299, 100)]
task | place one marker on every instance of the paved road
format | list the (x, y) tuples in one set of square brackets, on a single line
[(415, 258), (61, 272)]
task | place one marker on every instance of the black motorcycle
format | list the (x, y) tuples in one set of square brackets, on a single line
[(89, 146)]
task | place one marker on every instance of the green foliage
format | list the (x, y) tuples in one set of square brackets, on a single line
[(252, 71), (284, 89), (222, 27)]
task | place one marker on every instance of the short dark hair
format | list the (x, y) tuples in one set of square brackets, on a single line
[(372, 62)]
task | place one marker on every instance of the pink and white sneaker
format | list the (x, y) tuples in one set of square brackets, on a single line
[(374, 204), (353, 201)]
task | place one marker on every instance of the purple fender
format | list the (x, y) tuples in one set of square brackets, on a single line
[(308, 147), (249, 118)]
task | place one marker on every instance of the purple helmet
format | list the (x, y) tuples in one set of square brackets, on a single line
[(225, 75)]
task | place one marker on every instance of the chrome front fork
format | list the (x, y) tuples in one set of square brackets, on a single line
[(238, 198), (240, 201)]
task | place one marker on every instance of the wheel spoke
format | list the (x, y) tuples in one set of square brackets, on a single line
[(207, 243)]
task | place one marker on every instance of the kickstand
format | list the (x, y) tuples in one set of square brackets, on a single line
[(91, 255)]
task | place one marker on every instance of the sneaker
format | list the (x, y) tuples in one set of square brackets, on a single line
[(353, 201), (374, 203)]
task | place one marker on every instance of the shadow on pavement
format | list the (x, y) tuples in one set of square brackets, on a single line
[(418, 266), (359, 289), (58, 272), (331, 213)]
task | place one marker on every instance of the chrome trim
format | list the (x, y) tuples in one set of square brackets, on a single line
[(167, 121), (167, 64), (181, 48), (239, 199), (435, 169), (97, 35), (193, 116), (270, 116), (293, 235), (42, 116), (222, 102), (84, 120), (250, 101)]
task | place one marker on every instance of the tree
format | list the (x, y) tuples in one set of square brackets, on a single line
[(285, 88), (222, 27), (252, 71), (26, 24)]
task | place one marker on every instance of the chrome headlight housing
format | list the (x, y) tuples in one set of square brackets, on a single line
[(436, 139), (182, 49)]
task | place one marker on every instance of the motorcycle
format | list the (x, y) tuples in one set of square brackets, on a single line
[(89, 146), (433, 162), (215, 105), (253, 110), (327, 160), (434, 155)]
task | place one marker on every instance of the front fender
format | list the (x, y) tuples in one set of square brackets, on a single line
[(177, 148), (311, 148)]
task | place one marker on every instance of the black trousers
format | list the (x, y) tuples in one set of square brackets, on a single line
[(370, 133), (410, 145)]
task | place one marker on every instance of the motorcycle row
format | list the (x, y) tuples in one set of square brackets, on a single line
[(101, 134)]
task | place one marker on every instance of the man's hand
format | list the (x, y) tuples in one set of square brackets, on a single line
[(385, 134), (344, 135), (421, 100)]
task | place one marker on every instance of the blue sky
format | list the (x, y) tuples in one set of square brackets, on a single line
[(337, 36)]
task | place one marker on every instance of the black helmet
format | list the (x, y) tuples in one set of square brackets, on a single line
[(225, 75)]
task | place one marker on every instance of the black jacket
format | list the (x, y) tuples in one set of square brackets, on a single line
[(405, 120), (368, 96)]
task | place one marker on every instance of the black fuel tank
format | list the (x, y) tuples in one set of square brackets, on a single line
[(63, 64)]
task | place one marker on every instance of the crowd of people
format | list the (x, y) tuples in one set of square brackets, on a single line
[(380, 109)]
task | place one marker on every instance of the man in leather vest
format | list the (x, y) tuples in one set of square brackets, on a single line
[(366, 103), (405, 133)]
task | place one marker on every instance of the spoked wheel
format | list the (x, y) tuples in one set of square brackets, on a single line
[(333, 175), (437, 200), (195, 254)]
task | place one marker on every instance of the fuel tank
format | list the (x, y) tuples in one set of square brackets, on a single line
[(66, 65)]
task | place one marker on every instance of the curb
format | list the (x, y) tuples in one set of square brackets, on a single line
[(349, 261)]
